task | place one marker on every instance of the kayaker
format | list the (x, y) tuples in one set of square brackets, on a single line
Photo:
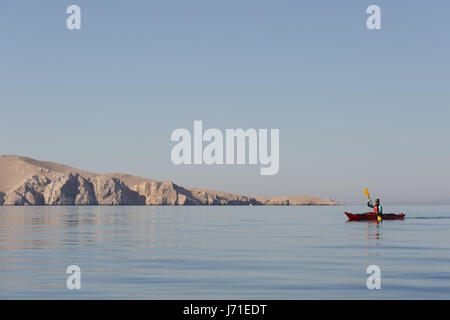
[(377, 207)]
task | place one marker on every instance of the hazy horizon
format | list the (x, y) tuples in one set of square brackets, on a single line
[(355, 108)]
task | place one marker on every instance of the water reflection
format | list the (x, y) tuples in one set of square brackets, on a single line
[(374, 231), (55, 228), (373, 238)]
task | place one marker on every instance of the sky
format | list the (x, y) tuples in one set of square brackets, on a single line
[(355, 107)]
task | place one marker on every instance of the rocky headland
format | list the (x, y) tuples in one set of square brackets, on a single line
[(28, 182)]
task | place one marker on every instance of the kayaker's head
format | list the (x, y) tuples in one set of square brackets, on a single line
[(377, 201)]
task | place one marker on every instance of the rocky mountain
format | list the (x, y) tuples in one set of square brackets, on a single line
[(25, 181)]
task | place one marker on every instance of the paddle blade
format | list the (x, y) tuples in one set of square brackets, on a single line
[(367, 193)]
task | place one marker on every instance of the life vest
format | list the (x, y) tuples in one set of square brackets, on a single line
[(375, 209)]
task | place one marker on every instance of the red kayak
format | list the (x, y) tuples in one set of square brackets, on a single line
[(373, 216)]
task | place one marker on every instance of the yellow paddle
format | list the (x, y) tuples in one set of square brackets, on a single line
[(368, 196), (367, 193)]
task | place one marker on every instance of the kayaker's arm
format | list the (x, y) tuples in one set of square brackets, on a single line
[(370, 204)]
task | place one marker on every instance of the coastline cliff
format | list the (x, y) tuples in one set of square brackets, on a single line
[(28, 182)]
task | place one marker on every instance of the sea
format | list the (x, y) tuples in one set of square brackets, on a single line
[(222, 252)]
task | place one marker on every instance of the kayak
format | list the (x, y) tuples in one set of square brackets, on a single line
[(373, 216)]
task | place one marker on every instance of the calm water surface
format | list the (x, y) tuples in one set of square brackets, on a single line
[(222, 253)]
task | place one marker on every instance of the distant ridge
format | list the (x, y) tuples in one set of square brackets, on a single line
[(26, 181)]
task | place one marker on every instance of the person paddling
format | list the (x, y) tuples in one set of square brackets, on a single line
[(377, 207)]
